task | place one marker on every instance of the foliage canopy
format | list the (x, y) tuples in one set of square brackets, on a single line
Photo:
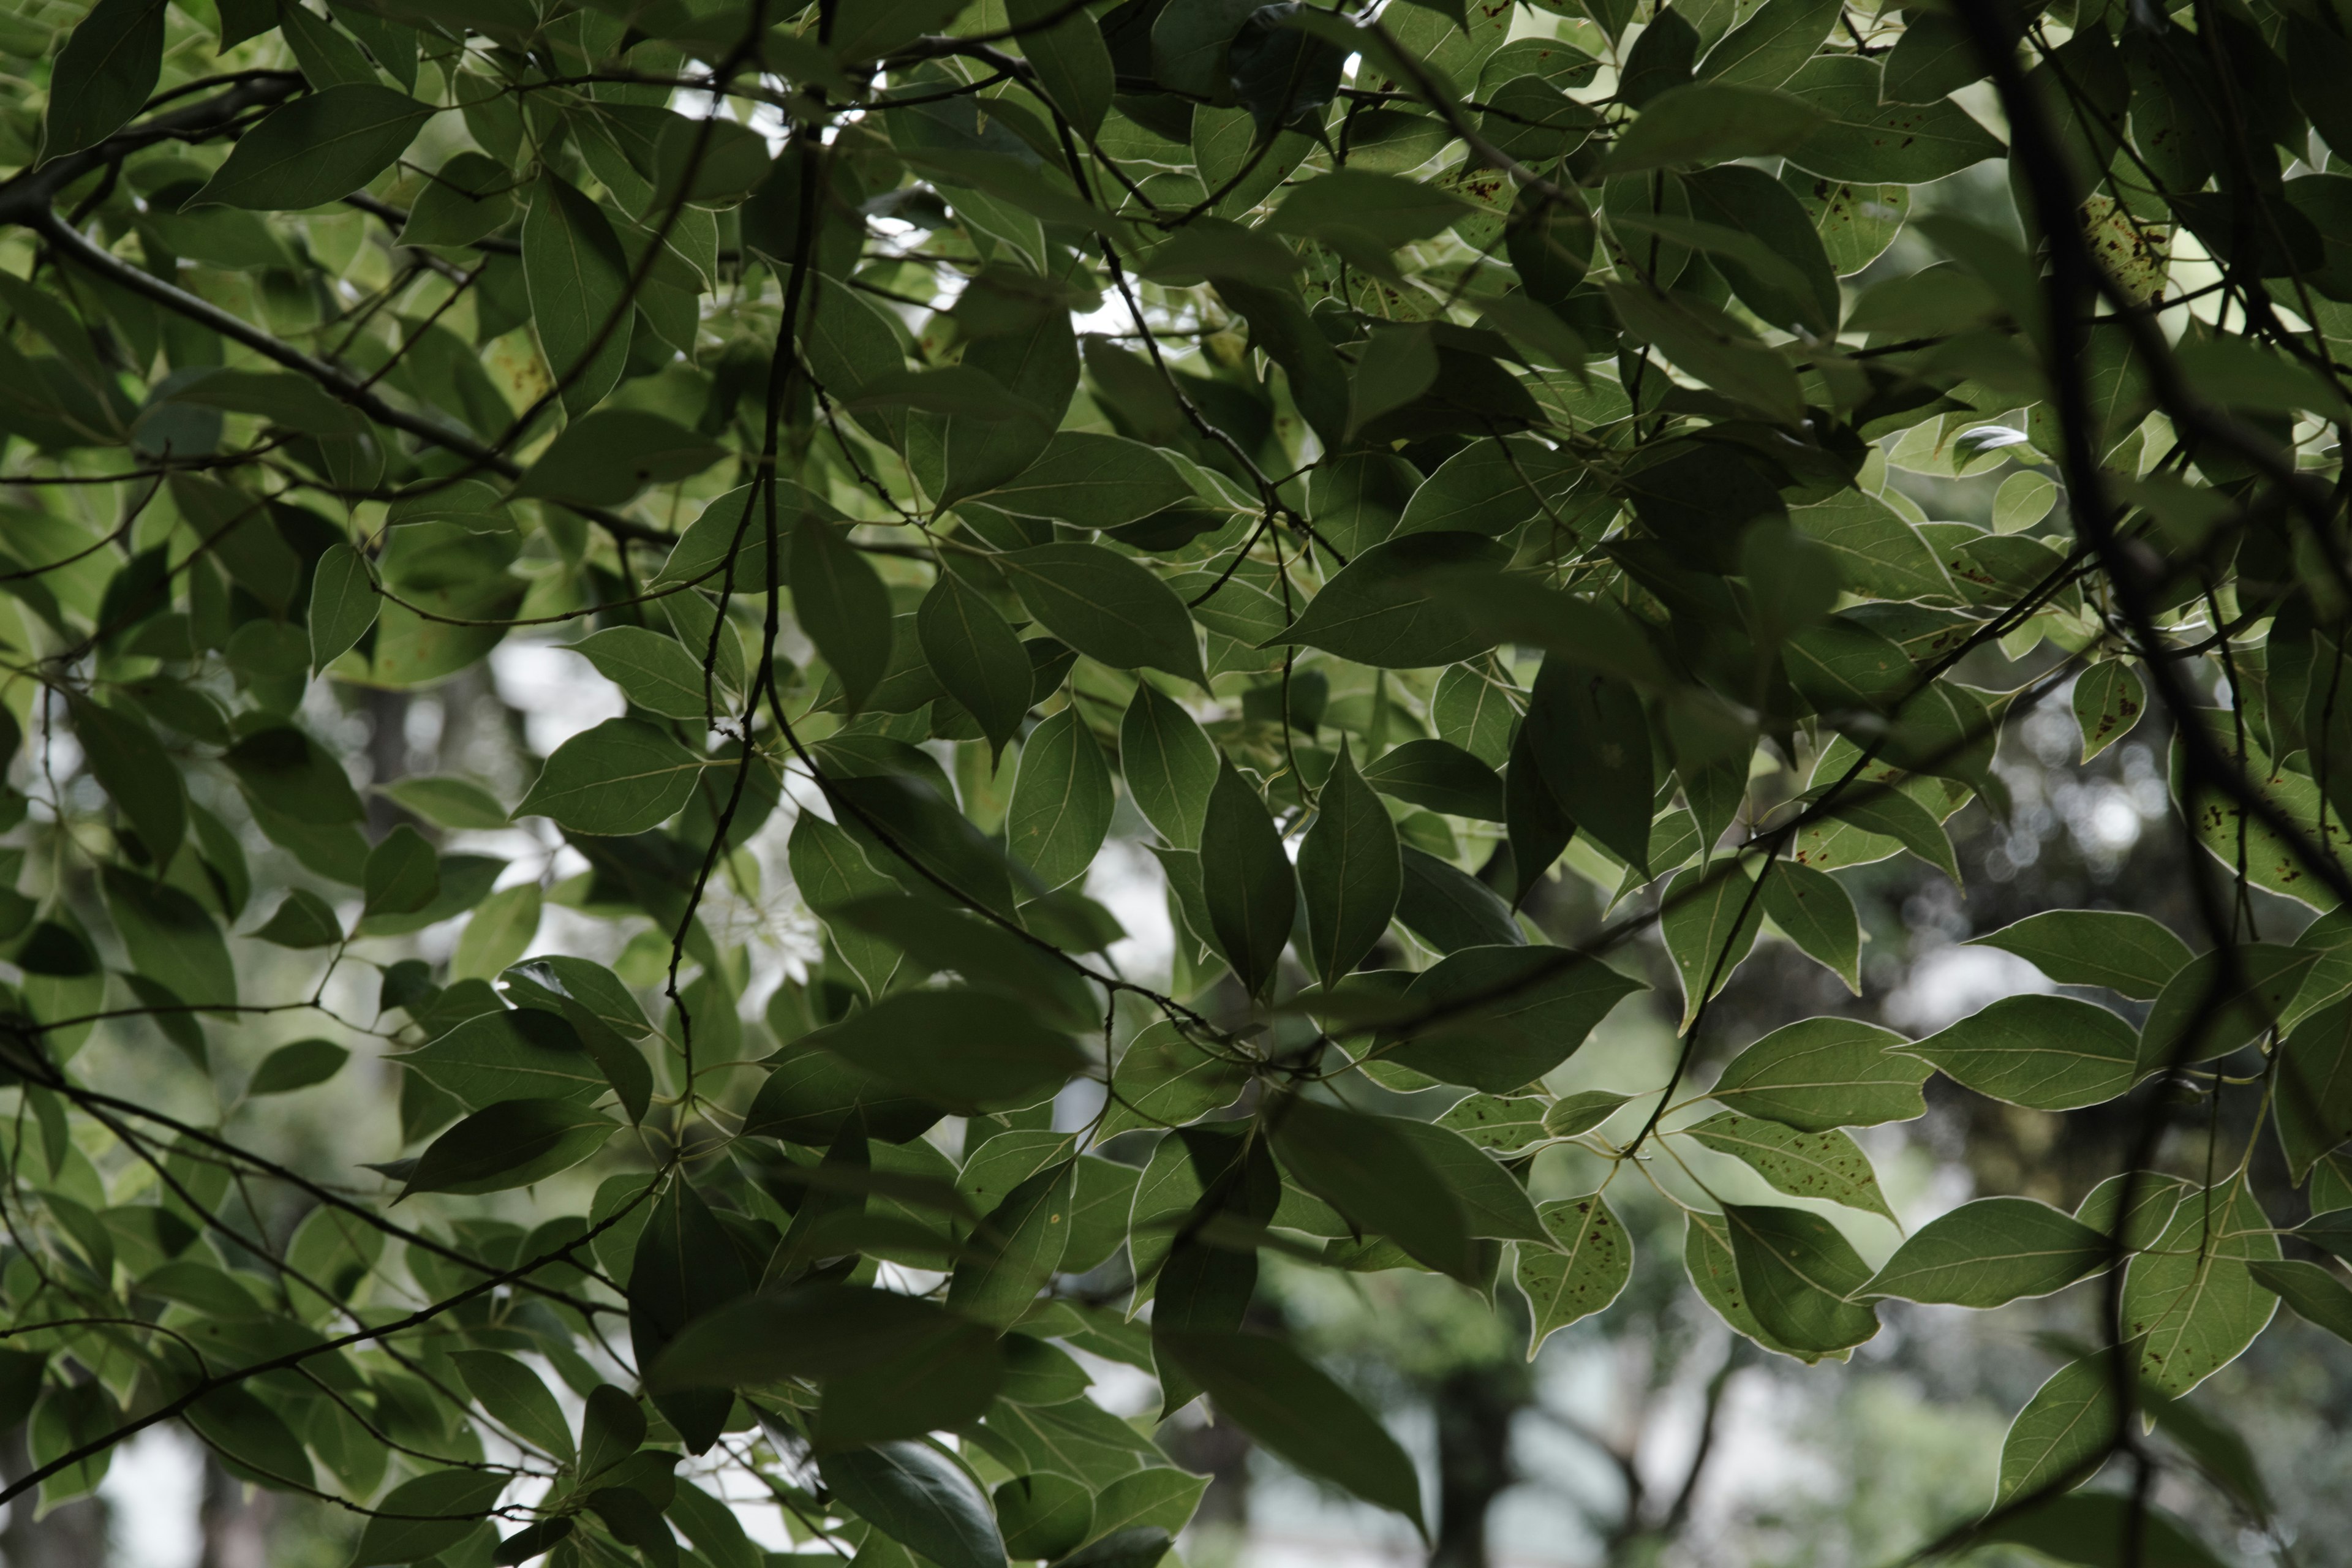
[(1421, 470)]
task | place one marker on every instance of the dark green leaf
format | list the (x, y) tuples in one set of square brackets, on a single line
[(1379, 610), (1171, 767), (844, 607), (977, 657), (297, 1066), (404, 875), (920, 1498), (304, 919), (1989, 1253), (317, 149), (343, 605), (1797, 1273), (1108, 607), (1813, 909), (1821, 1073), (965, 1050), (1373, 1172), (1062, 803), (104, 74), (607, 457), (1295, 1409), (1349, 872), (2125, 953), (512, 1143), (623, 777), (1247, 880), (579, 281), (2050, 1053)]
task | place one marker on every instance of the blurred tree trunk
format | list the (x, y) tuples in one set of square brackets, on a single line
[(1474, 1406), (73, 1536), (234, 1520)]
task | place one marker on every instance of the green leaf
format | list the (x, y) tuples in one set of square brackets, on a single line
[(579, 282), (2090, 1527), (842, 605), (1712, 345), (404, 874), (2314, 1103), (1990, 1252), (172, 941), (978, 658), (421, 1518), (469, 197), (1884, 812), (654, 672), (854, 1339), (1017, 1248), (1866, 140), (1826, 1164), (317, 149), (1493, 1204), (1092, 481), (2191, 1300), (1061, 801), (1879, 554), (2126, 952), (104, 75), (2048, 1053), (606, 457), (1349, 872), (1450, 910), (1590, 740), (1714, 1273), (623, 777), (448, 801), (503, 926), (304, 919), (1529, 1009), (684, 1267), (1819, 1073), (1498, 1122), (1767, 48), (512, 1143), (1293, 1409), (1170, 766), (516, 1399), (2109, 700), (297, 1066), (1582, 1112), (1372, 1172), (1440, 776), (1381, 609), (2199, 1015), (1798, 1274), (1591, 1260), (1071, 65), (2316, 1295), (965, 1050), (921, 1499), (293, 774), (1163, 1080), (983, 953), (1712, 122), (133, 769), (343, 605), (1108, 607), (1247, 881), (2065, 1428), (1708, 920), (1813, 909)]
